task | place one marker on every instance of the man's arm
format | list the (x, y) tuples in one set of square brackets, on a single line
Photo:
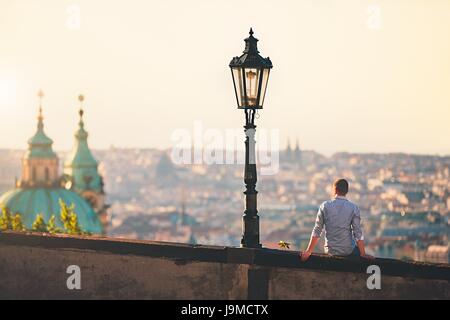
[(361, 247), (312, 243), (358, 234), (315, 235)]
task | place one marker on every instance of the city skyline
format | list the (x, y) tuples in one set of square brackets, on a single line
[(371, 67), (248, 150)]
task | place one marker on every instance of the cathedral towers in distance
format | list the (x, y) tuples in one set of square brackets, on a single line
[(292, 154), (41, 186), (81, 171)]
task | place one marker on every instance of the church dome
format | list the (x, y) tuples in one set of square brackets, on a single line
[(29, 202), (39, 190)]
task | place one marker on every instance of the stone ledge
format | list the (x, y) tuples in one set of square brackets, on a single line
[(202, 253)]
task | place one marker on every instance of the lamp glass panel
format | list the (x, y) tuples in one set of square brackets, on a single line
[(251, 85), (265, 80), (238, 85)]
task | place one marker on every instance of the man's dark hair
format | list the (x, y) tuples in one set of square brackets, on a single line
[(341, 186)]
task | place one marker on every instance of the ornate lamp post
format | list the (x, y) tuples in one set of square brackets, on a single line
[(250, 74)]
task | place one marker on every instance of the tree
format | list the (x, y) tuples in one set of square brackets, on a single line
[(65, 214), (39, 224), (74, 226), (52, 227), (5, 220), (69, 218), (17, 224)]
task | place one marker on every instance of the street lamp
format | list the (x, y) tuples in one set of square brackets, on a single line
[(250, 74)]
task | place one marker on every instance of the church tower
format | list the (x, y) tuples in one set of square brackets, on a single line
[(288, 152), (297, 152), (39, 191), (81, 171), (40, 162)]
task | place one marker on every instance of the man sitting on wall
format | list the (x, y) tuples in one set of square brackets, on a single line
[(342, 221)]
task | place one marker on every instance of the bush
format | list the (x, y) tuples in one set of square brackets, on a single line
[(69, 219), (17, 224), (52, 227), (39, 224), (5, 220), (67, 215)]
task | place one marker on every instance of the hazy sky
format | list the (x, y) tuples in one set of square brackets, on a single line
[(349, 75)]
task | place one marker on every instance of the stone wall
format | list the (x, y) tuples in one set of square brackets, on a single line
[(34, 265)]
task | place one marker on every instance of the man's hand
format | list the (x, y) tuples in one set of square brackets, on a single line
[(305, 255), (362, 250)]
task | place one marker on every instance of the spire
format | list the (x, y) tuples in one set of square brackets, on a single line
[(297, 151), (81, 111), (288, 145), (81, 164), (288, 151), (40, 116), (40, 144), (297, 145), (81, 133), (40, 162)]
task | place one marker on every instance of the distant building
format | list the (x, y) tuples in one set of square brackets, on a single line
[(297, 152), (41, 187), (288, 151), (165, 171), (81, 172), (290, 154)]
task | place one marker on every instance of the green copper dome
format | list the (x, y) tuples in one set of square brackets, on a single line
[(40, 145), (81, 165), (29, 202)]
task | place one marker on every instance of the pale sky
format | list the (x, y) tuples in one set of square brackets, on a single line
[(349, 75)]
